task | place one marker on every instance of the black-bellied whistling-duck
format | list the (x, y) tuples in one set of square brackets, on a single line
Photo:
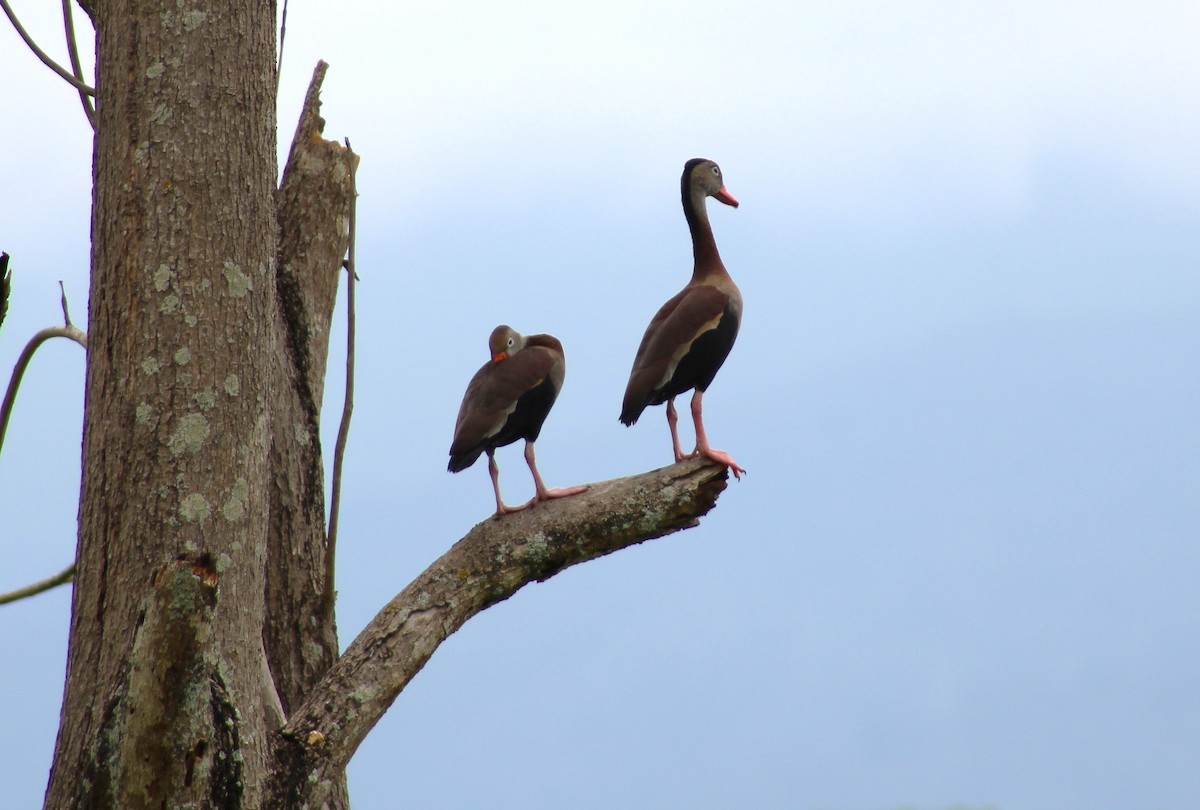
[(506, 400), (690, 337)]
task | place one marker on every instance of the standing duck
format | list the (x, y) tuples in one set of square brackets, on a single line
[(690, 337), (506, 400)]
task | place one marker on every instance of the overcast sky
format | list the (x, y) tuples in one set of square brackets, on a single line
[(963, 567)]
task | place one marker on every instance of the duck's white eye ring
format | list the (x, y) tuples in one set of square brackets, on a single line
[(717, 171)]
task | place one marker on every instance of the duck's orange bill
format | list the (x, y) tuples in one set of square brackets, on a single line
[(724, 196)]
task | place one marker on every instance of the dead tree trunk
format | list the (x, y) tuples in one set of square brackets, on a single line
[(202, 664), (168, 700)]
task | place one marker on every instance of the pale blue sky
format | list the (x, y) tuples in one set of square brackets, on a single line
[(962, 569)]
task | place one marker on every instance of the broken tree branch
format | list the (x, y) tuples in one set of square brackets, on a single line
[(62, 289), (312, 208)]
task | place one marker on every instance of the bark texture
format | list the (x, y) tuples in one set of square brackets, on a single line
[(168, 608)]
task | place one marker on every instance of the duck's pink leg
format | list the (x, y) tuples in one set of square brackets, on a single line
[(672, 421), (542, 492), (702, 448), (494, 471)]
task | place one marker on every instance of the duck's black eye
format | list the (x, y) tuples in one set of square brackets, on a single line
[(717, 171)]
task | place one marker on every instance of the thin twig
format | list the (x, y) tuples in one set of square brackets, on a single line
[(46, 60), (14, 383), (69, 330), (76, 68), (66, 311), (61, 578), (339, 448), (282, 35)]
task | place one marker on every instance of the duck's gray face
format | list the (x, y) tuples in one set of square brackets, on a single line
[(504, 342), (707, 176)]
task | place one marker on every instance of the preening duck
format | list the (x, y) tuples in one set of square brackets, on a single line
[(509, 399)]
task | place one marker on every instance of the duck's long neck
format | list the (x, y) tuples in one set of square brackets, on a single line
[(704, 244)]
